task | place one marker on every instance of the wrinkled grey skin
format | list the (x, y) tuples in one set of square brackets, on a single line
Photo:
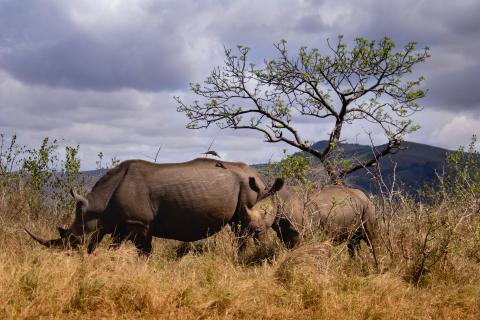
[(345, 214), (187, 201)]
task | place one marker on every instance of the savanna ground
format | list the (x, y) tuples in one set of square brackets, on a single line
[(426, 270), (426, 266)]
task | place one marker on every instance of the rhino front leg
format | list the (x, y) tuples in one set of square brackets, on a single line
[(117, 241), (119, 236), (94, 240), (141, 238)]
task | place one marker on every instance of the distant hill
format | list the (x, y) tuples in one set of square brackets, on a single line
[(416, 164), (413, 165), (96, 173)]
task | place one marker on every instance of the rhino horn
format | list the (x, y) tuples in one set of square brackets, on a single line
[(79, 198), (55, 243)]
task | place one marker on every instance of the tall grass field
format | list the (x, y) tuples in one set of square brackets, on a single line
[(426, 266)]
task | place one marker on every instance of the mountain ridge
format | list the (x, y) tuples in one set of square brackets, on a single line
[(412, 165)]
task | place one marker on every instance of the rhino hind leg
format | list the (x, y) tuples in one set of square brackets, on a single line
[(353, 242), (353, 246)]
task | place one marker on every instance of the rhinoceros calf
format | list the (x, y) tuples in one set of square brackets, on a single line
[(188, 201), (345, 214)]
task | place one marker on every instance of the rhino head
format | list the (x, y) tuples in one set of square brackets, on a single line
[(258, 219), (84, 224)]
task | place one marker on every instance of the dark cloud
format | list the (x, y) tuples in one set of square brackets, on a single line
[(45, 45), (460, 19), (80, 62), (310, 23), (456, 89), (28, 25)]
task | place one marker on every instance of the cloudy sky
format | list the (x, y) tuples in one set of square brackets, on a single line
[(103, 74)]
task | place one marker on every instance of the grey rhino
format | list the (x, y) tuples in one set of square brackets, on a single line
[(345, 214), (189, 201)]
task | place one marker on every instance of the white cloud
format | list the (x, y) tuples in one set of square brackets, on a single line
[(457, 131)]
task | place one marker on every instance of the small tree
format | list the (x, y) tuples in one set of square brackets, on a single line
[(68, 178), (462, 176), (10, 161), (39, 165), (365, 82), (293, 168)]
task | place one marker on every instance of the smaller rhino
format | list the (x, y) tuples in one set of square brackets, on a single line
[(345, 214)]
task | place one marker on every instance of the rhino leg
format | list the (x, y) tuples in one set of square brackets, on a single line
[(286, 233), (141, 238), (354, 240), (119, 236), (95, 239), (117, 241), (144, 244), (353, 246)]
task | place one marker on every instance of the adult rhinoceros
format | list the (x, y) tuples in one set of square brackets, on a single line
[(345, 214), (188, 201)]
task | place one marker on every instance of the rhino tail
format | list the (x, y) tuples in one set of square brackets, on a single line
[(371, 222), (370, 226)]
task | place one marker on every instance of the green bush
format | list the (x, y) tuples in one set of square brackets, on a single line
[(39, 166), (41, 174), (10, 161), (462, 178), (295, 169), (68, 178)]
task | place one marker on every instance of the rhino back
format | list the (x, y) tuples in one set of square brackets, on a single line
[(340, 208)]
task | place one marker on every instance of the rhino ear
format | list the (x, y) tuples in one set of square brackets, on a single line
[(277, 186), (253, 184), (62, 232), (79, 198)]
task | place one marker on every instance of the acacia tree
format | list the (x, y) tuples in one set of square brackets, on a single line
[(364, 82)]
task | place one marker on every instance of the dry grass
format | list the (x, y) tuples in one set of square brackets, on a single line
[(315, 281)]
